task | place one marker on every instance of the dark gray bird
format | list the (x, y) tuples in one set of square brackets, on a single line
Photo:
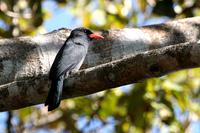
[(69, 59)]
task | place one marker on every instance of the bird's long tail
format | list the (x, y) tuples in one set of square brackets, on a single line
[(55, 93)]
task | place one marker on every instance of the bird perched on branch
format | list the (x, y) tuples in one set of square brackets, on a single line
[(69, 59)]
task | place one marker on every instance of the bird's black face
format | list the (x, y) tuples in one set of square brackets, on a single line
[(85, 33)]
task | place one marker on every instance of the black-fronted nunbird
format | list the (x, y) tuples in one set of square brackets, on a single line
[(69, 59)]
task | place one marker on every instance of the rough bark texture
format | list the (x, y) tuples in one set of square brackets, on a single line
[(25, 61)]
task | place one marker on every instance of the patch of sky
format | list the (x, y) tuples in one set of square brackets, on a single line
[(61, 17), (3, 25)]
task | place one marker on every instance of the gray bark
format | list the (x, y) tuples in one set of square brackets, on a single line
[(125, 56)]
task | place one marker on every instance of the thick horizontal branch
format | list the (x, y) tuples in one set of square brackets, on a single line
[(25, 61), (135, 68)]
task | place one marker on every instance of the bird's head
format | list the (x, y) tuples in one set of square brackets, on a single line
[(85, 33)]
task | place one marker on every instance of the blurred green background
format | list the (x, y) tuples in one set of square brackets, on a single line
[(159, 105)]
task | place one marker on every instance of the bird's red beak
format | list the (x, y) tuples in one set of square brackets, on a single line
[(95, 36)]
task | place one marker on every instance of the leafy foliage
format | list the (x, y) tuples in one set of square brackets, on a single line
[(170, 101)]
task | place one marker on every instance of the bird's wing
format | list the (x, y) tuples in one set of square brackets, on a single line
[(68, 57)]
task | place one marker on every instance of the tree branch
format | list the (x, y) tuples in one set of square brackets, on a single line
[(125, 56)]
